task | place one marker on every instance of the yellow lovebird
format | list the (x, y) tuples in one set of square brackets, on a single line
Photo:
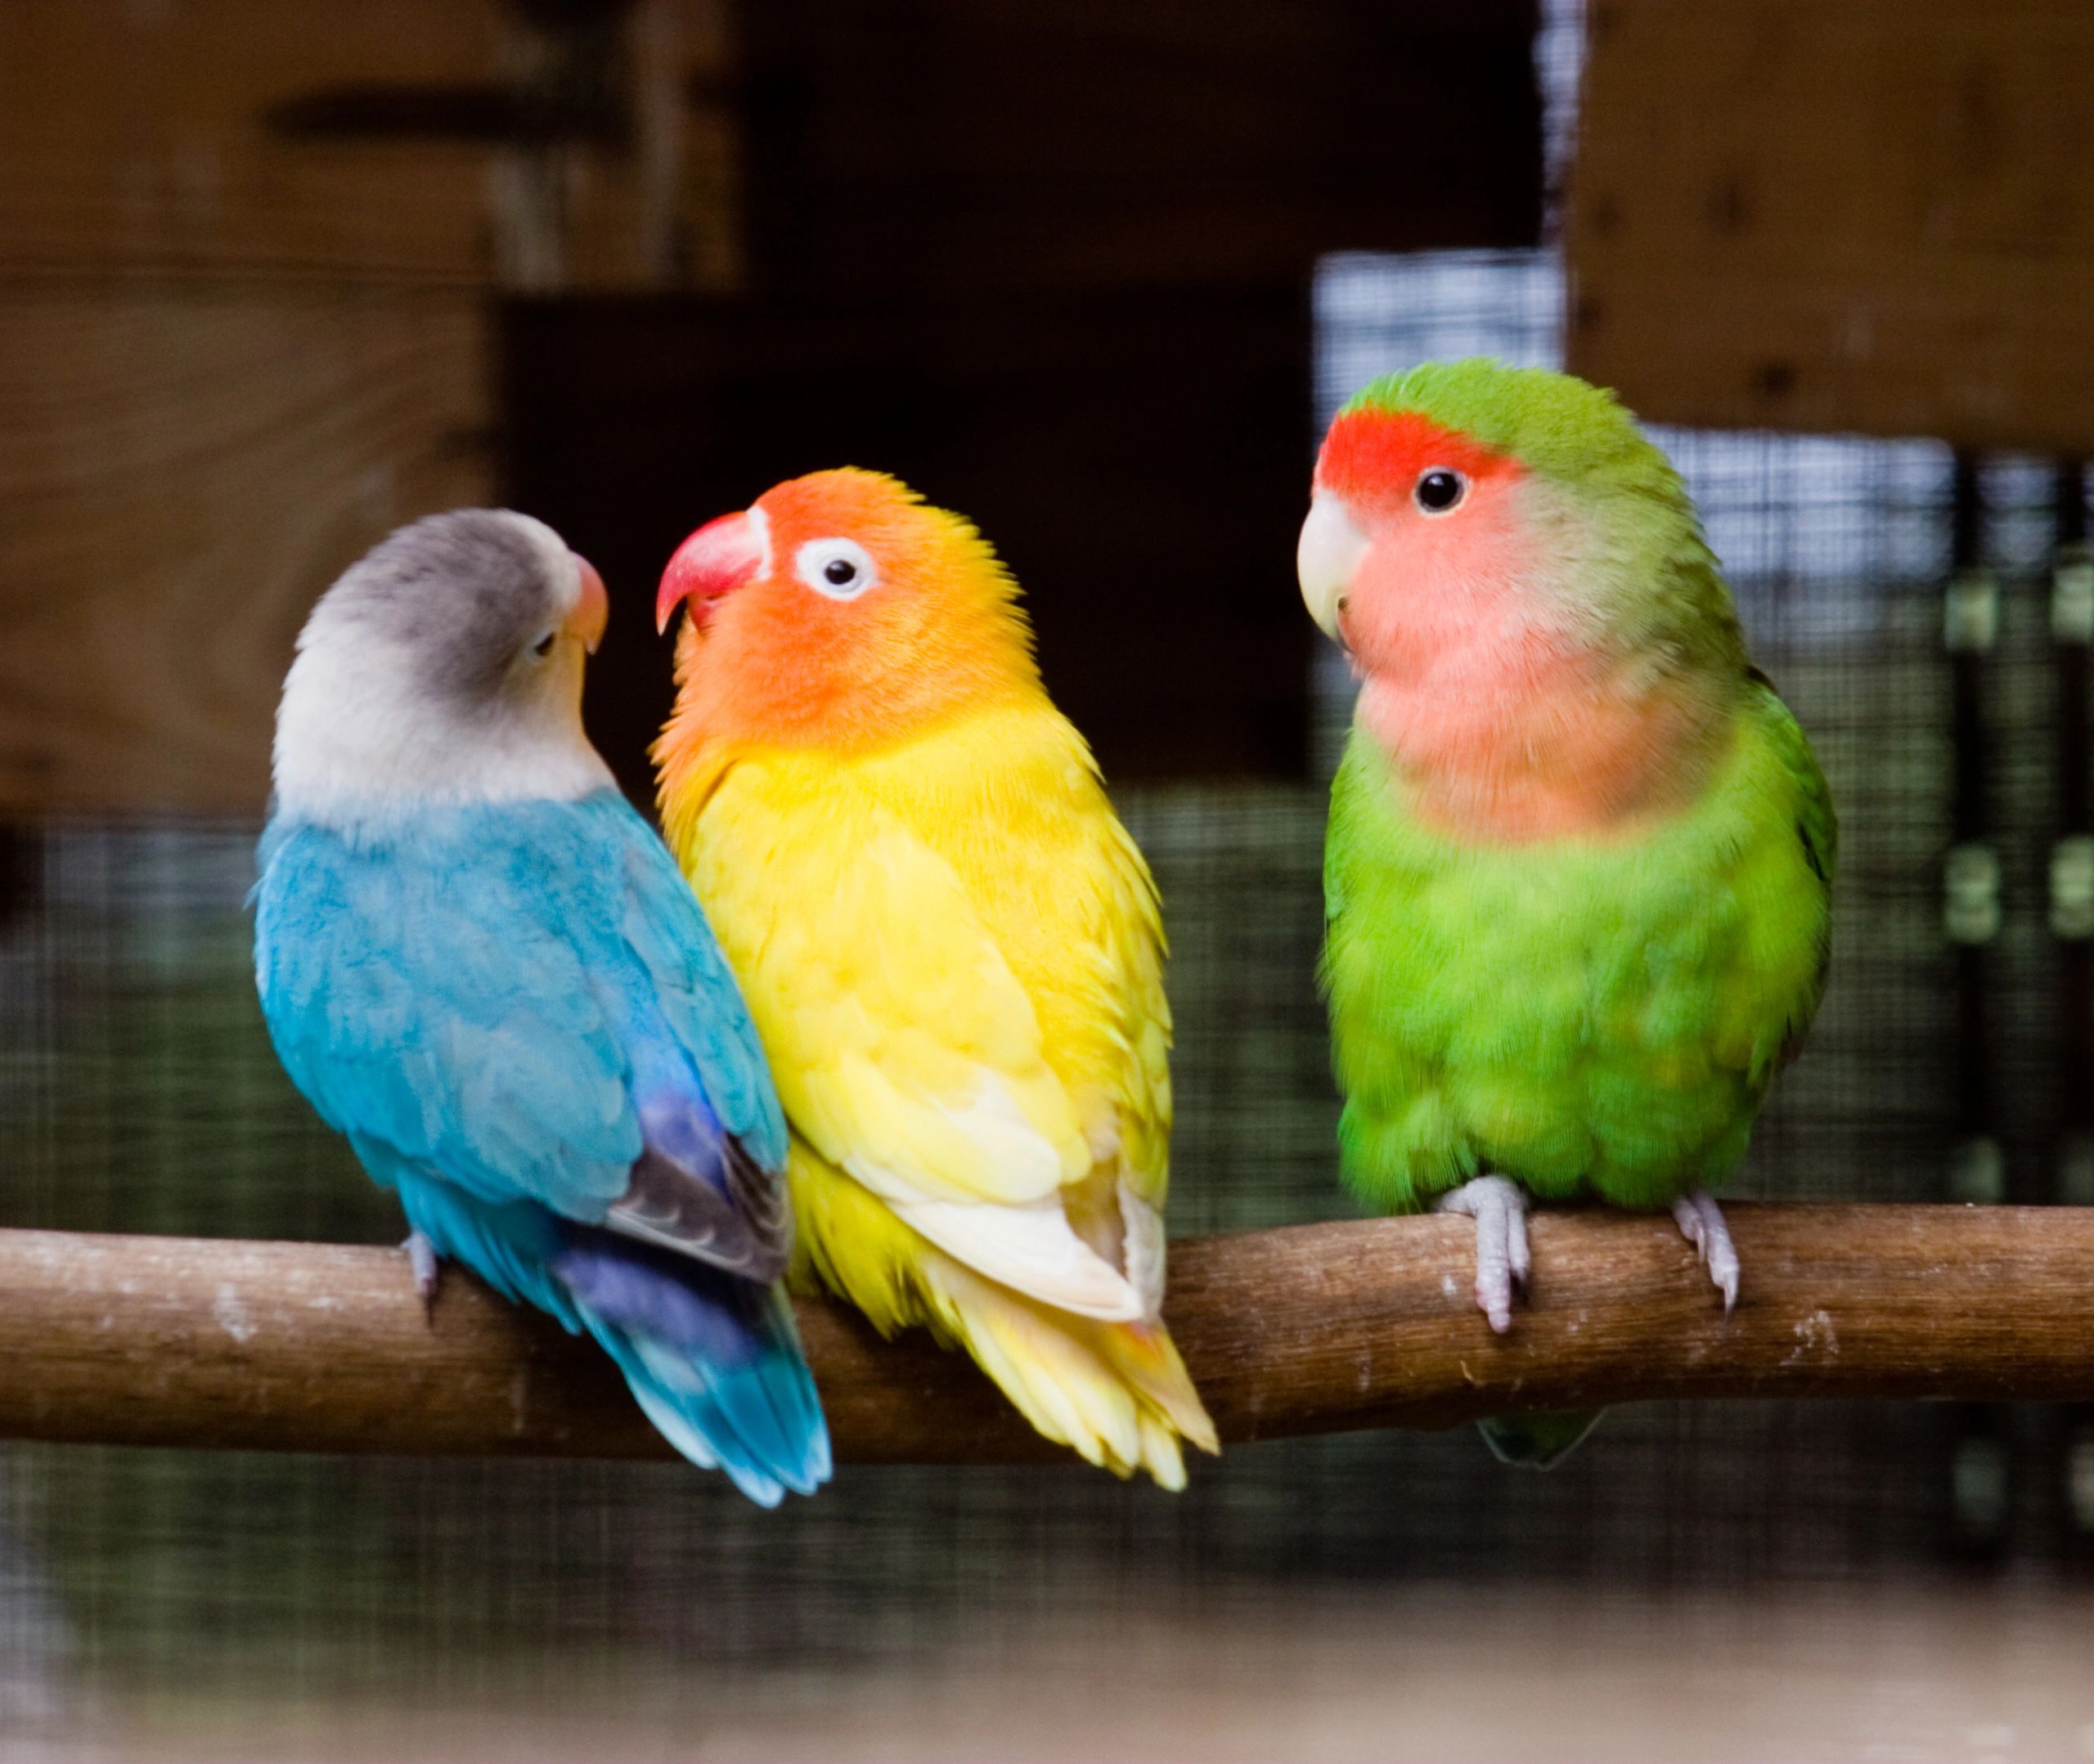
[(951, 947)]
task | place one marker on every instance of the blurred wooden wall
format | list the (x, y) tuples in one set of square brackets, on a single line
[(247, 253), (1872, 215), (276, 278)]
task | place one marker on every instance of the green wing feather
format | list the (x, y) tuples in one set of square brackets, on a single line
[(1818, 826)]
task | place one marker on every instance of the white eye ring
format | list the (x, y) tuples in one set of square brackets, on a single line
[(841, 569)]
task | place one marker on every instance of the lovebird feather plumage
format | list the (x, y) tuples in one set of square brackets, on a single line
[(1579, 857), (482, 967), (952, 948)]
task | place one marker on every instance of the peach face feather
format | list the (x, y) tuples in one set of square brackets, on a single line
[(1476, 598)]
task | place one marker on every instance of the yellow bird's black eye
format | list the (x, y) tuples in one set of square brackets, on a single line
[(837, 569), (1439, 489), (544, 646)]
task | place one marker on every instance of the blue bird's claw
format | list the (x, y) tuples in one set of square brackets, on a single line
[(428, 1273)]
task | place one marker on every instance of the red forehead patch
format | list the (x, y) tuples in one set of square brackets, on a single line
[(1372, 456)]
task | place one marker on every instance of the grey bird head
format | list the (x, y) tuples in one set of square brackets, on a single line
[(445, 665)]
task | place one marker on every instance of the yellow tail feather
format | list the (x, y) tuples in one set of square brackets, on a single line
[(1116, 1394)]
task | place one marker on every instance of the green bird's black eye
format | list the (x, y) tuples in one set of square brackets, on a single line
[(1439, 489), (839, 572)]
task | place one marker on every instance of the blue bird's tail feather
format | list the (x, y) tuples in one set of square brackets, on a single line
[(714, 1361)]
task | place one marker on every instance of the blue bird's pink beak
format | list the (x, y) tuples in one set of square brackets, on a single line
[(592, 610)]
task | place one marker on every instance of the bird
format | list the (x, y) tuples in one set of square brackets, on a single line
[(481, 965), (952, 948), (1579, 858)]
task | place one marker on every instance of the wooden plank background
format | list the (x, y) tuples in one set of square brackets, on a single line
[(382, 142), (137, 138), (182, 467), (1874, 216), (248, 257)]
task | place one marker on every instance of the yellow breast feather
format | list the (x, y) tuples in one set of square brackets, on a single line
[(885, 927)]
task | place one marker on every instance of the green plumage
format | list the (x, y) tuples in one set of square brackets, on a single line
[(1555, 424), (1588, 1015), (1534, 972), (1592, 1015)]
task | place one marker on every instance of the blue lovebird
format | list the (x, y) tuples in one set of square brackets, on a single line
[(481, 965)]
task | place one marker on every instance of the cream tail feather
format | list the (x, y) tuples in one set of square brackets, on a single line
[(1032, 1248), (1024, 1238), (1114, 1393)]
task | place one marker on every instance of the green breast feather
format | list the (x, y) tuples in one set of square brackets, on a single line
[(1588, 1017)]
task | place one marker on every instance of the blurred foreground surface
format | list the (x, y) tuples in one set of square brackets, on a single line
[(1430, 1672)]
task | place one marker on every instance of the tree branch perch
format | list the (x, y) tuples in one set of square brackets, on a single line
[(1312, 1329)]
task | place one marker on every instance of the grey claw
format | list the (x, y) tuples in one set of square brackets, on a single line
[(1498, 1206), (1701, 1222), (428, 1273), (1518, 1256)]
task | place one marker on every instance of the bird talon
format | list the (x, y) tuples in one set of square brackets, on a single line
[(1503, 1258), (1701, 1222), (427, 1273)]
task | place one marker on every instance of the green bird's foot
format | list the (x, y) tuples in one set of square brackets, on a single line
[(1701, 1222), (1498, 1206), (1537, 1442), (422, 1264)]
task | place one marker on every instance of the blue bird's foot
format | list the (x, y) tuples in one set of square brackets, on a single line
[(1701, 1222), (1498, 1206), (423, 1265)]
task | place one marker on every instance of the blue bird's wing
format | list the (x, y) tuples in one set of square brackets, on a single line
[(516, 1002), (422, 993), (737, 1145), (521, 1020)]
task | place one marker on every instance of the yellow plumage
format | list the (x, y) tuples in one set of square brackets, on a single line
[(953, 951)]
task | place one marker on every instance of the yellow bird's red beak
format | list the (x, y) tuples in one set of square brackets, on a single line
[(711, 564)]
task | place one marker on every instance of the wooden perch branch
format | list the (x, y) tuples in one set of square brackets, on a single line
[(1315, 1329)]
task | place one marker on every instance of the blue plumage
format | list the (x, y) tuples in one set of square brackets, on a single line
[(516, 1012)]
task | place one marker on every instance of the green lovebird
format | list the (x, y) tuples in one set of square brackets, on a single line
[(1578, 876)]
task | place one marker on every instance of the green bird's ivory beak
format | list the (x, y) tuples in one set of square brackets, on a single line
[(1331, 548)]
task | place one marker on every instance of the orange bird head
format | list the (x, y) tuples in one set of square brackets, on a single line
[(839, 610)]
